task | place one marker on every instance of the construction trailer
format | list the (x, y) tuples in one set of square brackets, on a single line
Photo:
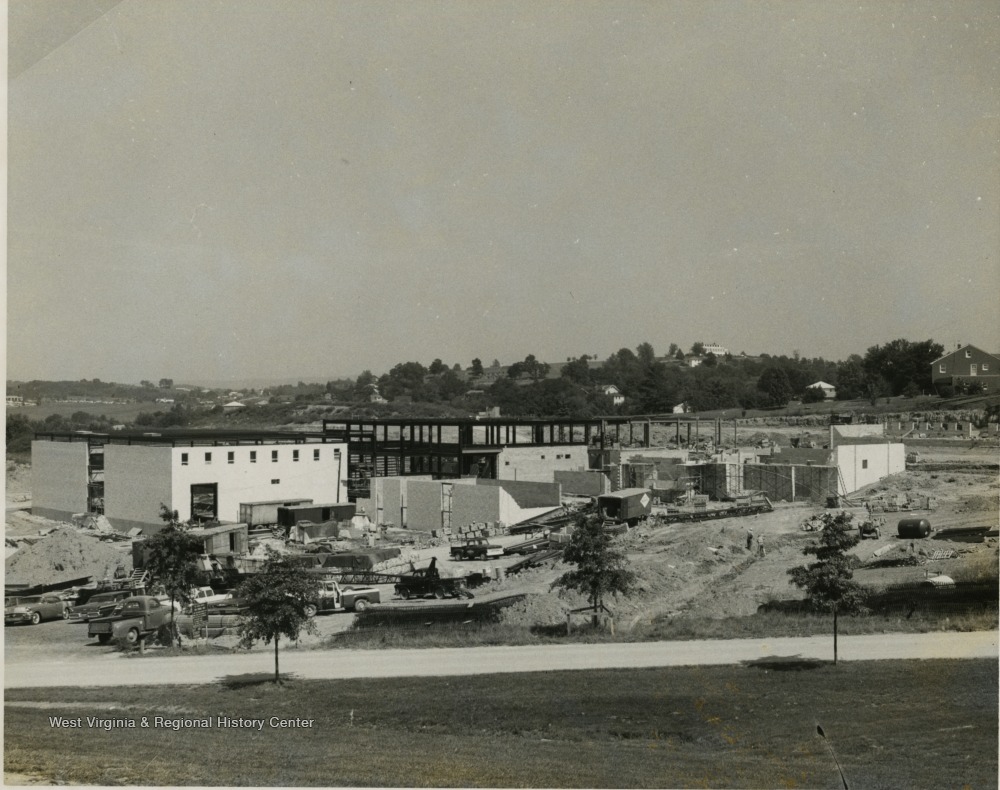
[(317, 514), (627, 506), (265, 514)]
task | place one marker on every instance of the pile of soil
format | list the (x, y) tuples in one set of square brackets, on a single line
[(63, 555)]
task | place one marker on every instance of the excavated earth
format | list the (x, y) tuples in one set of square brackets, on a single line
[(697, 570)]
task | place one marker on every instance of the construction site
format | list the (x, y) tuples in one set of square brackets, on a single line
[(711, 516)]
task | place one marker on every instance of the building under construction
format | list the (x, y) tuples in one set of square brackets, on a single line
[(491, 448)]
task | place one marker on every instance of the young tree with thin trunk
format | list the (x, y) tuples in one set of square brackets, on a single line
[(276, 601), (829, 582), (601, 569), (172, 560)]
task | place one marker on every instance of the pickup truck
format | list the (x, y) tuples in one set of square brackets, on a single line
[(206, 595), (331, 597), (475, 549), (428, 581), (138, 617)]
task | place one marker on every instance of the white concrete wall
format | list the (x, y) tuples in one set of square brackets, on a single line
[(58, 478), (862, 465), (854, 432), (247, 481), (136, 483), (539, 464)]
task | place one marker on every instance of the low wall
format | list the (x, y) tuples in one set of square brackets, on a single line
[(528, 494), (791, 483), (584, 483)]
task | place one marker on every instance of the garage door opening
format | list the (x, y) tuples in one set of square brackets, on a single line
[(205, 502)]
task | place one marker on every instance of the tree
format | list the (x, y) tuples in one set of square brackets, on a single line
[(172, 559), (773, 382), (829, 582), (437, 367), (646, 354), (673, 349), (850, 378), (166, 384), (813, 395), (577, 370), (901, 362), (276, 601), (698, 348), (600, 568), (477, 367)]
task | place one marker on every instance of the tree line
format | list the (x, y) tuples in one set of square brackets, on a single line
[(651, 383)]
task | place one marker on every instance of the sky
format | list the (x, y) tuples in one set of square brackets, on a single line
[(222, 190)]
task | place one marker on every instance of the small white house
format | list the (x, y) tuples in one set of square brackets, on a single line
[(611, 391), (829, 391), (232, 406), (681, 408)]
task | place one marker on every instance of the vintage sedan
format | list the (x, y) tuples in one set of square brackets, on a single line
[(34, 608), (99, 605)]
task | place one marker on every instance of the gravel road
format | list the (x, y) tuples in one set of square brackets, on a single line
[(118, 670)]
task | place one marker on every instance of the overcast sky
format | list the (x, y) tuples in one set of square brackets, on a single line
[(233, 189)]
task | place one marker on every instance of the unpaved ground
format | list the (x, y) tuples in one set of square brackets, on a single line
[(705, 570)]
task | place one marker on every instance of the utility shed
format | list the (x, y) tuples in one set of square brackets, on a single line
[(224, 539)]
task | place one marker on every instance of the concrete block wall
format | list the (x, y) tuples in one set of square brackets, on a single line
[(58, 479), (584, 483), (423, 504), (138, 479), (471, 504), (529, 494), (815, 483), (791, 482), (713, 481), (539, 464), (393, 498)]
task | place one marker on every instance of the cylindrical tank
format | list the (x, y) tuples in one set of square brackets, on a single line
[(913, 528)]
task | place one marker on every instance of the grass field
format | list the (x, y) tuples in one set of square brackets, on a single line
[(123, 412), (893, 724)]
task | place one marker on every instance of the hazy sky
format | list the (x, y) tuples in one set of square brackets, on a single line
[(227, 189)]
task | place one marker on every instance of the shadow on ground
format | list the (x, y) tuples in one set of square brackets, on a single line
[(251, 679), (785, 663)]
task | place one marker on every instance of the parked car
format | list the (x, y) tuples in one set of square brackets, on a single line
[(475, 549), (34, 608), (99, 605)]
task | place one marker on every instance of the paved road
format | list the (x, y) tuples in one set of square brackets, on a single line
[(116, 670)]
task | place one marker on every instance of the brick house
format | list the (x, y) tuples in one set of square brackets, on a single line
[(967, 364)]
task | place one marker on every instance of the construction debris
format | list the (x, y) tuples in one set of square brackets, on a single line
[(65, 555)]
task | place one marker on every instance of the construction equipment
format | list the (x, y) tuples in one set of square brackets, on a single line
[(872, 528)]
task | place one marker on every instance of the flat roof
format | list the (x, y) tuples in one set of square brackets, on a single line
[(186, 437), (624, 492)]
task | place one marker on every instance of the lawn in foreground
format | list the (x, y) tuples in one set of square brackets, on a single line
[(919, 724)]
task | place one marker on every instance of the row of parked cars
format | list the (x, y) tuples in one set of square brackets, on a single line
[(33, 609)]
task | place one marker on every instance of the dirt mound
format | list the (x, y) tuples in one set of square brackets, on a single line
[(63, 555)]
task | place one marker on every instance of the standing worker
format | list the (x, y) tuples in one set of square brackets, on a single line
[(760, 545)]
